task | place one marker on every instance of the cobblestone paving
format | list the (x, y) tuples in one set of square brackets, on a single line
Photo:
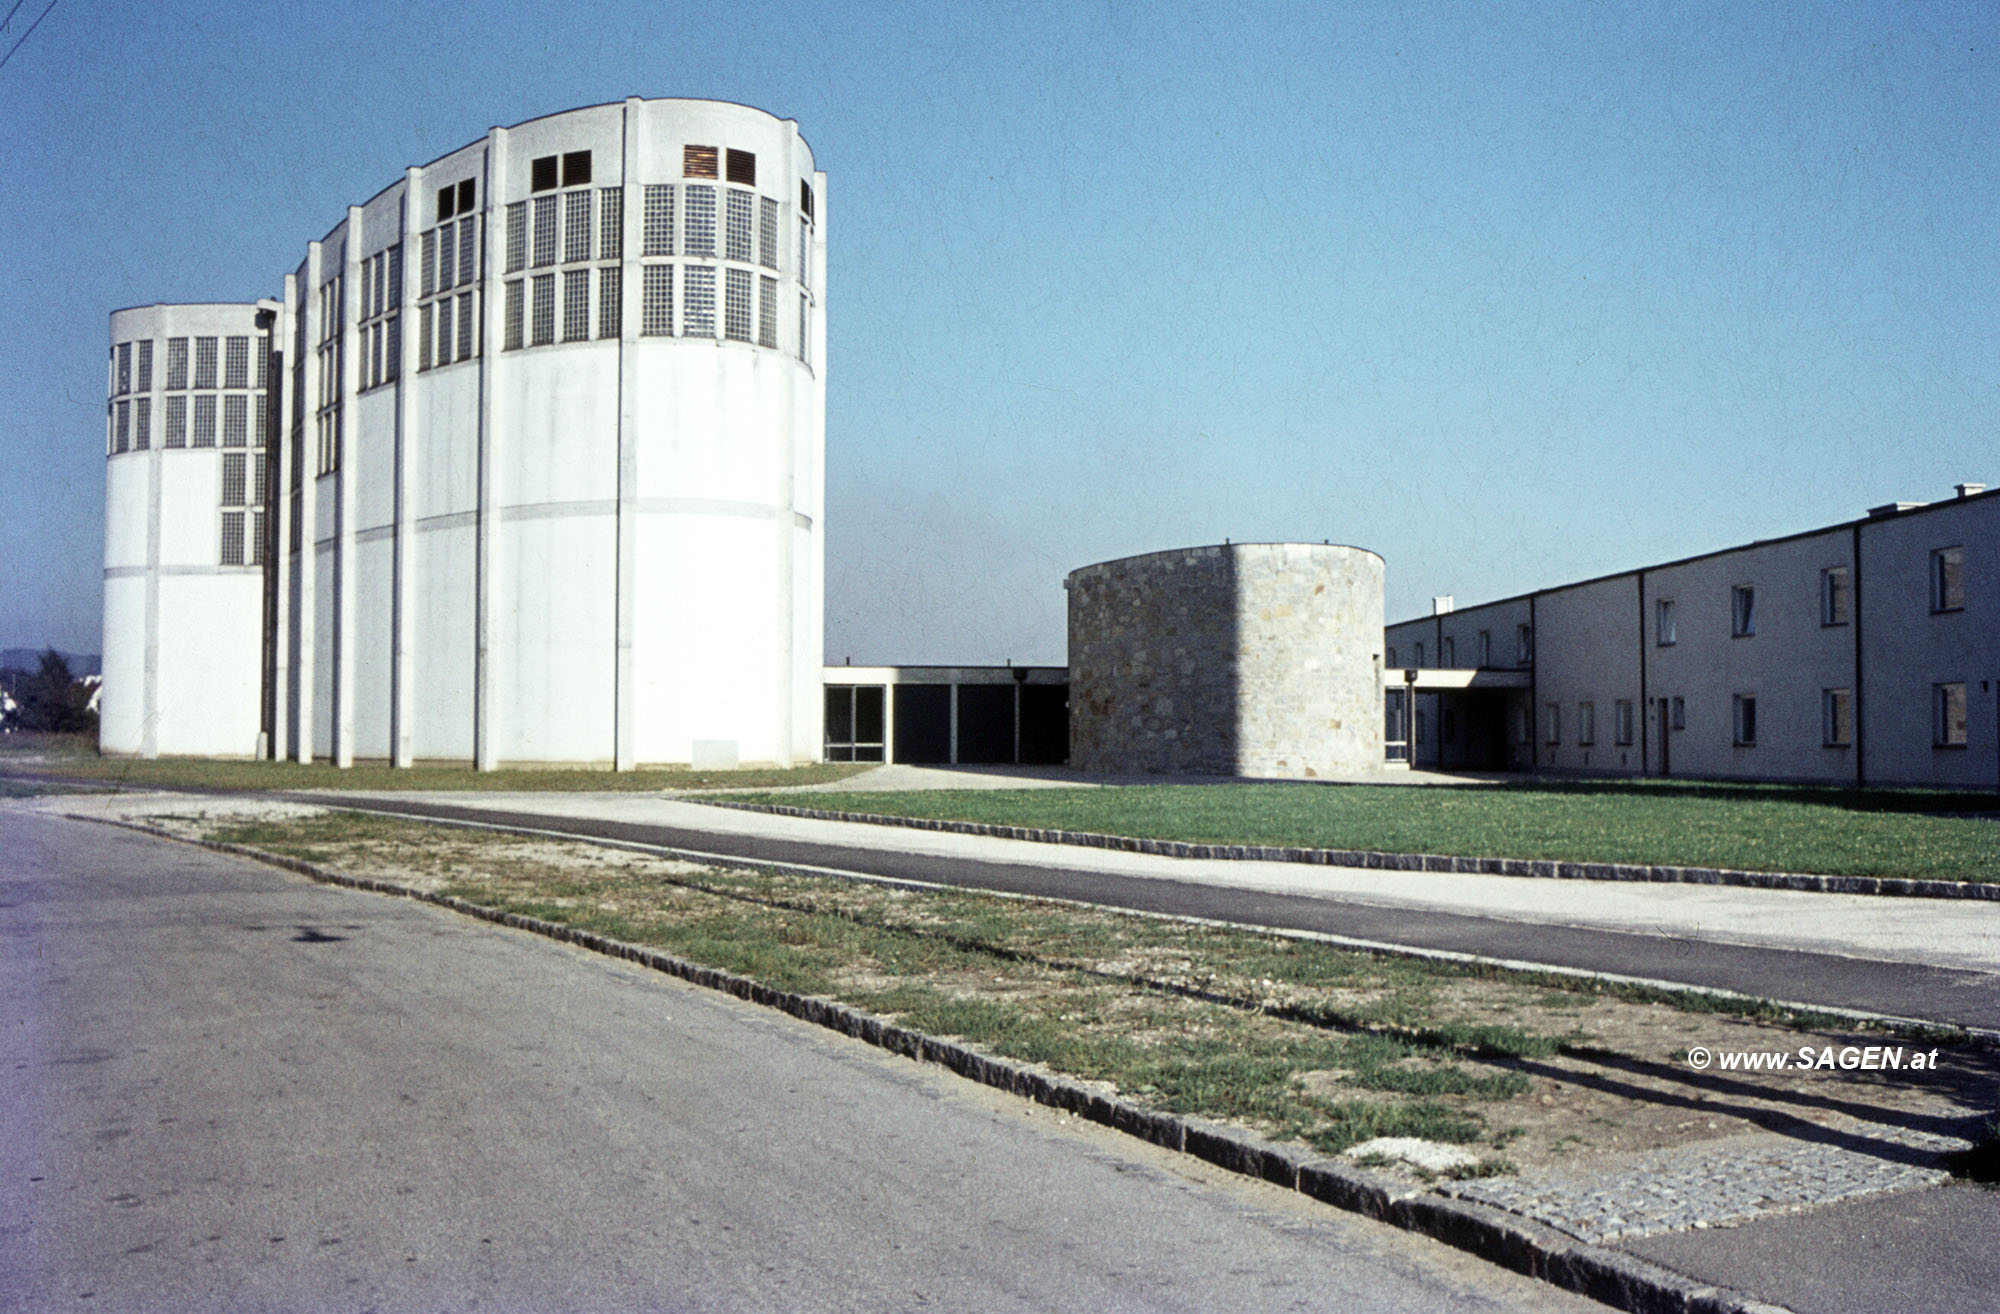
[(1721, 1182)]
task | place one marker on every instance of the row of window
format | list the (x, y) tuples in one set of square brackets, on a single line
[(241, 421), (1836, 605), (1948, 719), (749, 310), (132, 364), (1482, 650)]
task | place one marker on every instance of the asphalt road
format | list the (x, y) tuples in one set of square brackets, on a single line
[(227, 1088), (1903, 989)]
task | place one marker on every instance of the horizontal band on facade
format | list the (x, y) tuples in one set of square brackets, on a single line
[(682, 506), (135, 572)]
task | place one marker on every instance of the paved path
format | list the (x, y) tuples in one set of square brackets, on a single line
[(226, 1088), (1923, 958)]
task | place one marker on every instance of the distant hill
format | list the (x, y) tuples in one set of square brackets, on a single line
[(30, 659)]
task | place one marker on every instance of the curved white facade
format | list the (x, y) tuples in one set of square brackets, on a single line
[(186, 426), (551, 478)]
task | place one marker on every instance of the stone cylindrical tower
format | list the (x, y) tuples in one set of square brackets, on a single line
[(1251, 659)]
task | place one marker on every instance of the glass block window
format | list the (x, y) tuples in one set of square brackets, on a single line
[(805, 253), (235, 420), (121, 434), (610, 298), (393, 259), (545, 310), (424, 335), (393, 365), (257, 537), (576, 226), (258, 411), (736, 233), (657, 238), (177, 363), (204, 420), (547, 218), (146, 365), (511, 341), (656, 311), (204, 362), (611, 223), (260, 479), (177, 422), (427, 263), (142, 424), (767, 232), (698, 302), (517, 237), (468, 329), (124, 367), (263, 358), (236, 363), (468, 250), (805, 328), (576, 305), (235, 479), (700, 232), (767, 311), (447, 255), (444, 337), (232, 538), (736, 305)]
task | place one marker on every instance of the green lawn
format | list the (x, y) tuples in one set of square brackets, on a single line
[(1757, 827)]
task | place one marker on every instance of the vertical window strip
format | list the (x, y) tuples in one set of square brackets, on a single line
[(511, 330), (447, 256), (736, 305), (256, 537), (204, 419), (204, 362), (805, 328), (737, 232), (767, 232), (124, 367), (395, 263), (805, 253), (656, 311), (699, 237), (122, 433), (393, 366), (468, 327), (427, 265), (544, 327), (146, 365), (263, 361), (610, 295), (424, 335), (444, 338), (657, 238), (236, 363), (547, 217), (259, 410), (232, 538), (611, 223), (235, 420), (177, 363), (142, 424), (468, 250), (576, 226), (698, 302), (576, 305), (235, 477), (517, 237), (767, 311), (177, 421)]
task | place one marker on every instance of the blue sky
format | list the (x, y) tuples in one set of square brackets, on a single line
[(1510, 294)]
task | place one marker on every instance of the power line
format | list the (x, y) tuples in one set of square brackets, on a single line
[(25, 35), (10, 14)]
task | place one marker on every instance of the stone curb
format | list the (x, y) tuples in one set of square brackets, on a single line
[(1494, 1235), (1900, 886)]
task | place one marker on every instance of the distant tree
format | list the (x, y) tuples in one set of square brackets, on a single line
[(52, 699)]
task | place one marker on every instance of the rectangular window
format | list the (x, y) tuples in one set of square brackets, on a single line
[(1586, 724), (427, 264), (374, 365), (1745, 719), (468, 193), (235, 479), (393, 365), (260, 482), (1833, 597), (259, 408), (699, 239), (204, 420), (575, 168), (805, 253), (256, 538), (611, 223), (444, 336), (656, 312), (1742, 611), (517, 237), (381, 282), (1663, 623), (424, 335), (1552, 723), (698, 161), (468, 327), (737, 228), (742, 168), (1449, 655), (447, 256), (1680, 714), (1524, 645), (1391, 661), (447, 202), (1622, 715), (576, 305), (204, 362), (468, 251), (122, 440), (657, 239), (1485, 648), (544, 327), (124, 367), (232, 538), (1836, 717), (146, 365), (142, 424), (177, 422), (235, 420), (1948, 579), (512, 330), (767, 232), (610, 299), (544, 174), (393, 262), (576, 226), (736, 305), (547, 218), (1418, 656), (767, 311), (1948, 715), (698, 302), (264, 355), (805, 328), (177, 363)]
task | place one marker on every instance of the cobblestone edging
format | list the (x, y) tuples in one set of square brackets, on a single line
[(1492, 1234), (1906, 887)]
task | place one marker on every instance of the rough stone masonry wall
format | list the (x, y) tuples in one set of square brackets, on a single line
[(1255, 659)]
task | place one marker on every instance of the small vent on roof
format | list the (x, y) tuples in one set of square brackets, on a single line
[(1967, 490), (698, 161), (1891, 509), (743, 168)]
